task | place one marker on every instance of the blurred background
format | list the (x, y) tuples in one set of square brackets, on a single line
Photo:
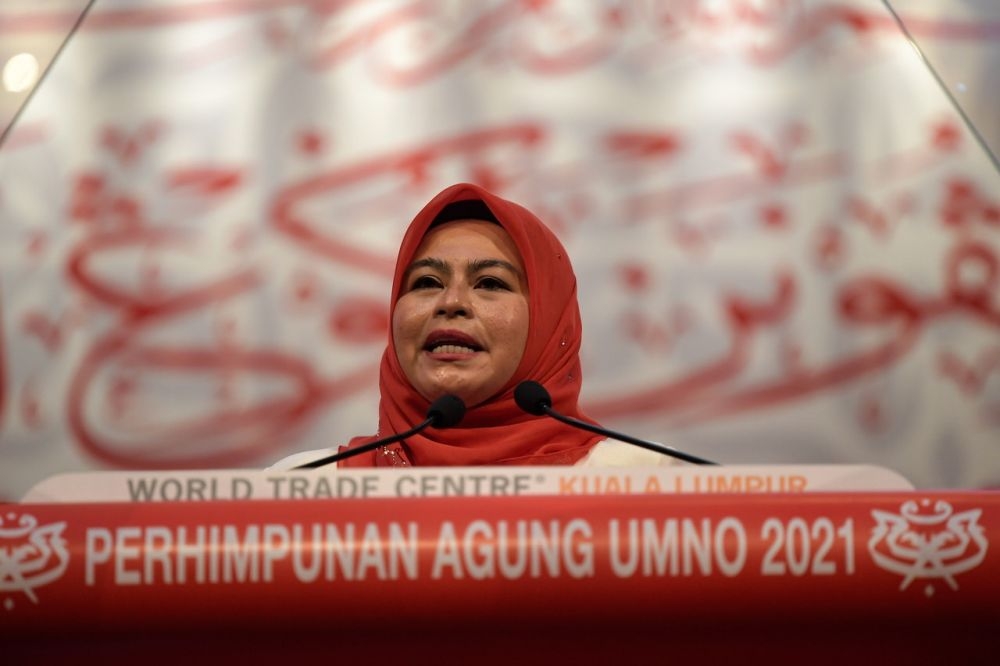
[(784, 216)]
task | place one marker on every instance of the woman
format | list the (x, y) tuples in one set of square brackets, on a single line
[(483, 298)]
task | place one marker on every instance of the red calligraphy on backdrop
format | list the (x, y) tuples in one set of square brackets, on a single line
[(752, 191)]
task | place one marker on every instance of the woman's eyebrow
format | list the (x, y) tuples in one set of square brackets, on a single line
[(477, 265), (428, 262)]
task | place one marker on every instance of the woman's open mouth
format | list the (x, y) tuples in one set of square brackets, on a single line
[(451, 342)]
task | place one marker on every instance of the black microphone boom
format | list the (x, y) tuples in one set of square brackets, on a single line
[(534, 399), (444, 412)]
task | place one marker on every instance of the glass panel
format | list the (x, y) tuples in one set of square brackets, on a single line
[(32, 32), (960, 42), (784, 229)]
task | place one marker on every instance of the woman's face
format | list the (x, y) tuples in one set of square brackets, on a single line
[(461, 321)]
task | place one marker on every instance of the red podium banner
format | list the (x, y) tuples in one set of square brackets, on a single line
[(600, 566), (917, 555)]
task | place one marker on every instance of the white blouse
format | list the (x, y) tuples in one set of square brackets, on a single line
[(607, 453)]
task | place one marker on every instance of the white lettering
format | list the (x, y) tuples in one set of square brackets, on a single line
[(578, 548), (254, 553), (476, 541), (124, 551), (447, 553), (240, 561), (372, 555), (276, 540), (541, 549), (306, 574), (730, 566), (544, 546), (659, 552), (675, 547), (623, 567), (98, 551), (698, 544), (157, 547), (403, 550), (194, 551), (512, 568), (339, 550)]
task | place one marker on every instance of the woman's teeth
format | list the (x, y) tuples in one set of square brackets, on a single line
[(452, 349)]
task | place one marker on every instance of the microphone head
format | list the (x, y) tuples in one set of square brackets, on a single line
[(446, 411), (532, 397)]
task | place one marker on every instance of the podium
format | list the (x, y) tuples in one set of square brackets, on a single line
[(496, 565)]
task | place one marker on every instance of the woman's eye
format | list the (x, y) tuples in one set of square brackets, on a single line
[(492, 284), (425, 282)]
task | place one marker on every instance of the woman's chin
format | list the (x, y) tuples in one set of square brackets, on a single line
[(470, 396)]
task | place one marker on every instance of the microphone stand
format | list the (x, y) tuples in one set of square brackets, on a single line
[(659, 448), (367, 447), (444, 412)]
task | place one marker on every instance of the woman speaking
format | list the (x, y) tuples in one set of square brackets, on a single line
[(483, 298)]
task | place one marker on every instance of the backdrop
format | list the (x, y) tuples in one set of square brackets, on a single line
[(786, 237)]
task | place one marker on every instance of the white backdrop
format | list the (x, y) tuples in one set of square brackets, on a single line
[(786, 238)]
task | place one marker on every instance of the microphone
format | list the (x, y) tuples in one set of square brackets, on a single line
[(534, 399), (444, 412)]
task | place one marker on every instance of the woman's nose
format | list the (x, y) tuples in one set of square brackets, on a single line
[(454, 301)]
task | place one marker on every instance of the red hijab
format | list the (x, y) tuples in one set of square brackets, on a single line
[(496, 432)]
